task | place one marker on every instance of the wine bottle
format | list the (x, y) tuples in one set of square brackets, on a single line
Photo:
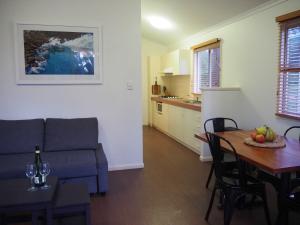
[(39, 180)]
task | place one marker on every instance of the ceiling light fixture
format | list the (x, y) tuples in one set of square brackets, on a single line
[(160, 23)]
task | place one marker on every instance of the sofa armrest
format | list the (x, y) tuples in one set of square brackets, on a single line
[(102, 168)]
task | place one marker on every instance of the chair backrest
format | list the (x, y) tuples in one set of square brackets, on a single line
[(218, 124), (214, 142), (291, 128)]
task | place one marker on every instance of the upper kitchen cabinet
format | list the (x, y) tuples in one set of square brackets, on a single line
[(176, 62)]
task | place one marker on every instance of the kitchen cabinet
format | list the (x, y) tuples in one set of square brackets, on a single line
[(175, 122), (160, 118), (192, 126), (180, 124), (177, 62)]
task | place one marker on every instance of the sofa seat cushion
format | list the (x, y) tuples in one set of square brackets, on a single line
[(20, 136), (71, 134), (63, 164), (13, 166), (67, 164)]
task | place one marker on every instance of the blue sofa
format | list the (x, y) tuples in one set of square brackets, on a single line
[(69, 145)]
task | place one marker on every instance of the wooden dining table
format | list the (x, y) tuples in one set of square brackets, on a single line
[(282, 161)]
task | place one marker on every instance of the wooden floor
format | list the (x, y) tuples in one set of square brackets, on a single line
[(170, 190)]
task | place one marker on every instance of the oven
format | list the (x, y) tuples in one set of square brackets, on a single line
[(159, 107)]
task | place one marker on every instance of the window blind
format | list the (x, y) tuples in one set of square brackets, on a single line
[(288, 95), (206, 65)]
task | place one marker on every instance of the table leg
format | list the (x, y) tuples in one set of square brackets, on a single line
[(282, 218), (88, 215), (49, 215), (2, 219), (34, 218)]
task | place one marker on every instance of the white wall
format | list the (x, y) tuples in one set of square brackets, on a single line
[(249, 59), (117, 109), (149, 48), (219, 102)]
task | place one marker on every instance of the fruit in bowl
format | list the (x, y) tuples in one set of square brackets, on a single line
[(263, 134), (260, 138)]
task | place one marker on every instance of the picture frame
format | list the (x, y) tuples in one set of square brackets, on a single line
[(58, 54)]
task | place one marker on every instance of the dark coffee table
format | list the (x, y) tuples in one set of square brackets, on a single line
[(58, 201), (72, 199), (15, 198)]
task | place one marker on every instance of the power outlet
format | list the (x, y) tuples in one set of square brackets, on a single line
[(129, 85)]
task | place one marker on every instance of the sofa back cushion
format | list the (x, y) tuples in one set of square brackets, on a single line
[(71, 134), (20, 136)]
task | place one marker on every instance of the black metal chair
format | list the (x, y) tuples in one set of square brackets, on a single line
[(234, 186), (292, 128), (285, 135), (292, 201), (218, 125), (274, 179)]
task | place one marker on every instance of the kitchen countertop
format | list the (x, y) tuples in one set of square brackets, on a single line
[(178, 102)]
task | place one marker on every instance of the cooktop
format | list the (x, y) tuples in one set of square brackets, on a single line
[(169, 96)]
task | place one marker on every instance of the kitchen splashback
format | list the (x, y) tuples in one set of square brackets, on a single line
[(179, 85)]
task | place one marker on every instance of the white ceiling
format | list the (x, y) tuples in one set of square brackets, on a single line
[(191, 16)]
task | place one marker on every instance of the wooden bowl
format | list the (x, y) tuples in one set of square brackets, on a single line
[(277, 143)]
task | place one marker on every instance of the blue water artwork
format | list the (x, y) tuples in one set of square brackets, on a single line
[(58, 53)]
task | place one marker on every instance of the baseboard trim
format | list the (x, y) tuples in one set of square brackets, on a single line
[(193, 149), (205, 159), (126, 167)]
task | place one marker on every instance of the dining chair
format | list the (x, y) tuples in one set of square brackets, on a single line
[(218, 124), (290, 129), (234, 186), (292, 201), (287, 132), (274, 179)]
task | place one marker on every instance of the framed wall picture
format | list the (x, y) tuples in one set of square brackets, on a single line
[(55, 54)]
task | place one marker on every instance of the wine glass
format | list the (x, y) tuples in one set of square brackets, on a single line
[(45, 171), (30, 173)]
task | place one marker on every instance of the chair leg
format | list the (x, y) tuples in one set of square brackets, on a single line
[(211, 202), (221, 200), (2, 219), (210, 175), (266, 208), (228, 207)]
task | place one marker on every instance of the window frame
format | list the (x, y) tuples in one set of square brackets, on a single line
[(208, 45), (284, 23)]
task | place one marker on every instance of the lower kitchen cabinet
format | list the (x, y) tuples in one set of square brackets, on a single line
[(179, 123), (160, 118), (175, 122), (191, 126)]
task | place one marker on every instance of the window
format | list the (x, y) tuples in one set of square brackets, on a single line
[(288, 93), (206, 65)]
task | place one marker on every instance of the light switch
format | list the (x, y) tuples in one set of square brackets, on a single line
[(129, 85)]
